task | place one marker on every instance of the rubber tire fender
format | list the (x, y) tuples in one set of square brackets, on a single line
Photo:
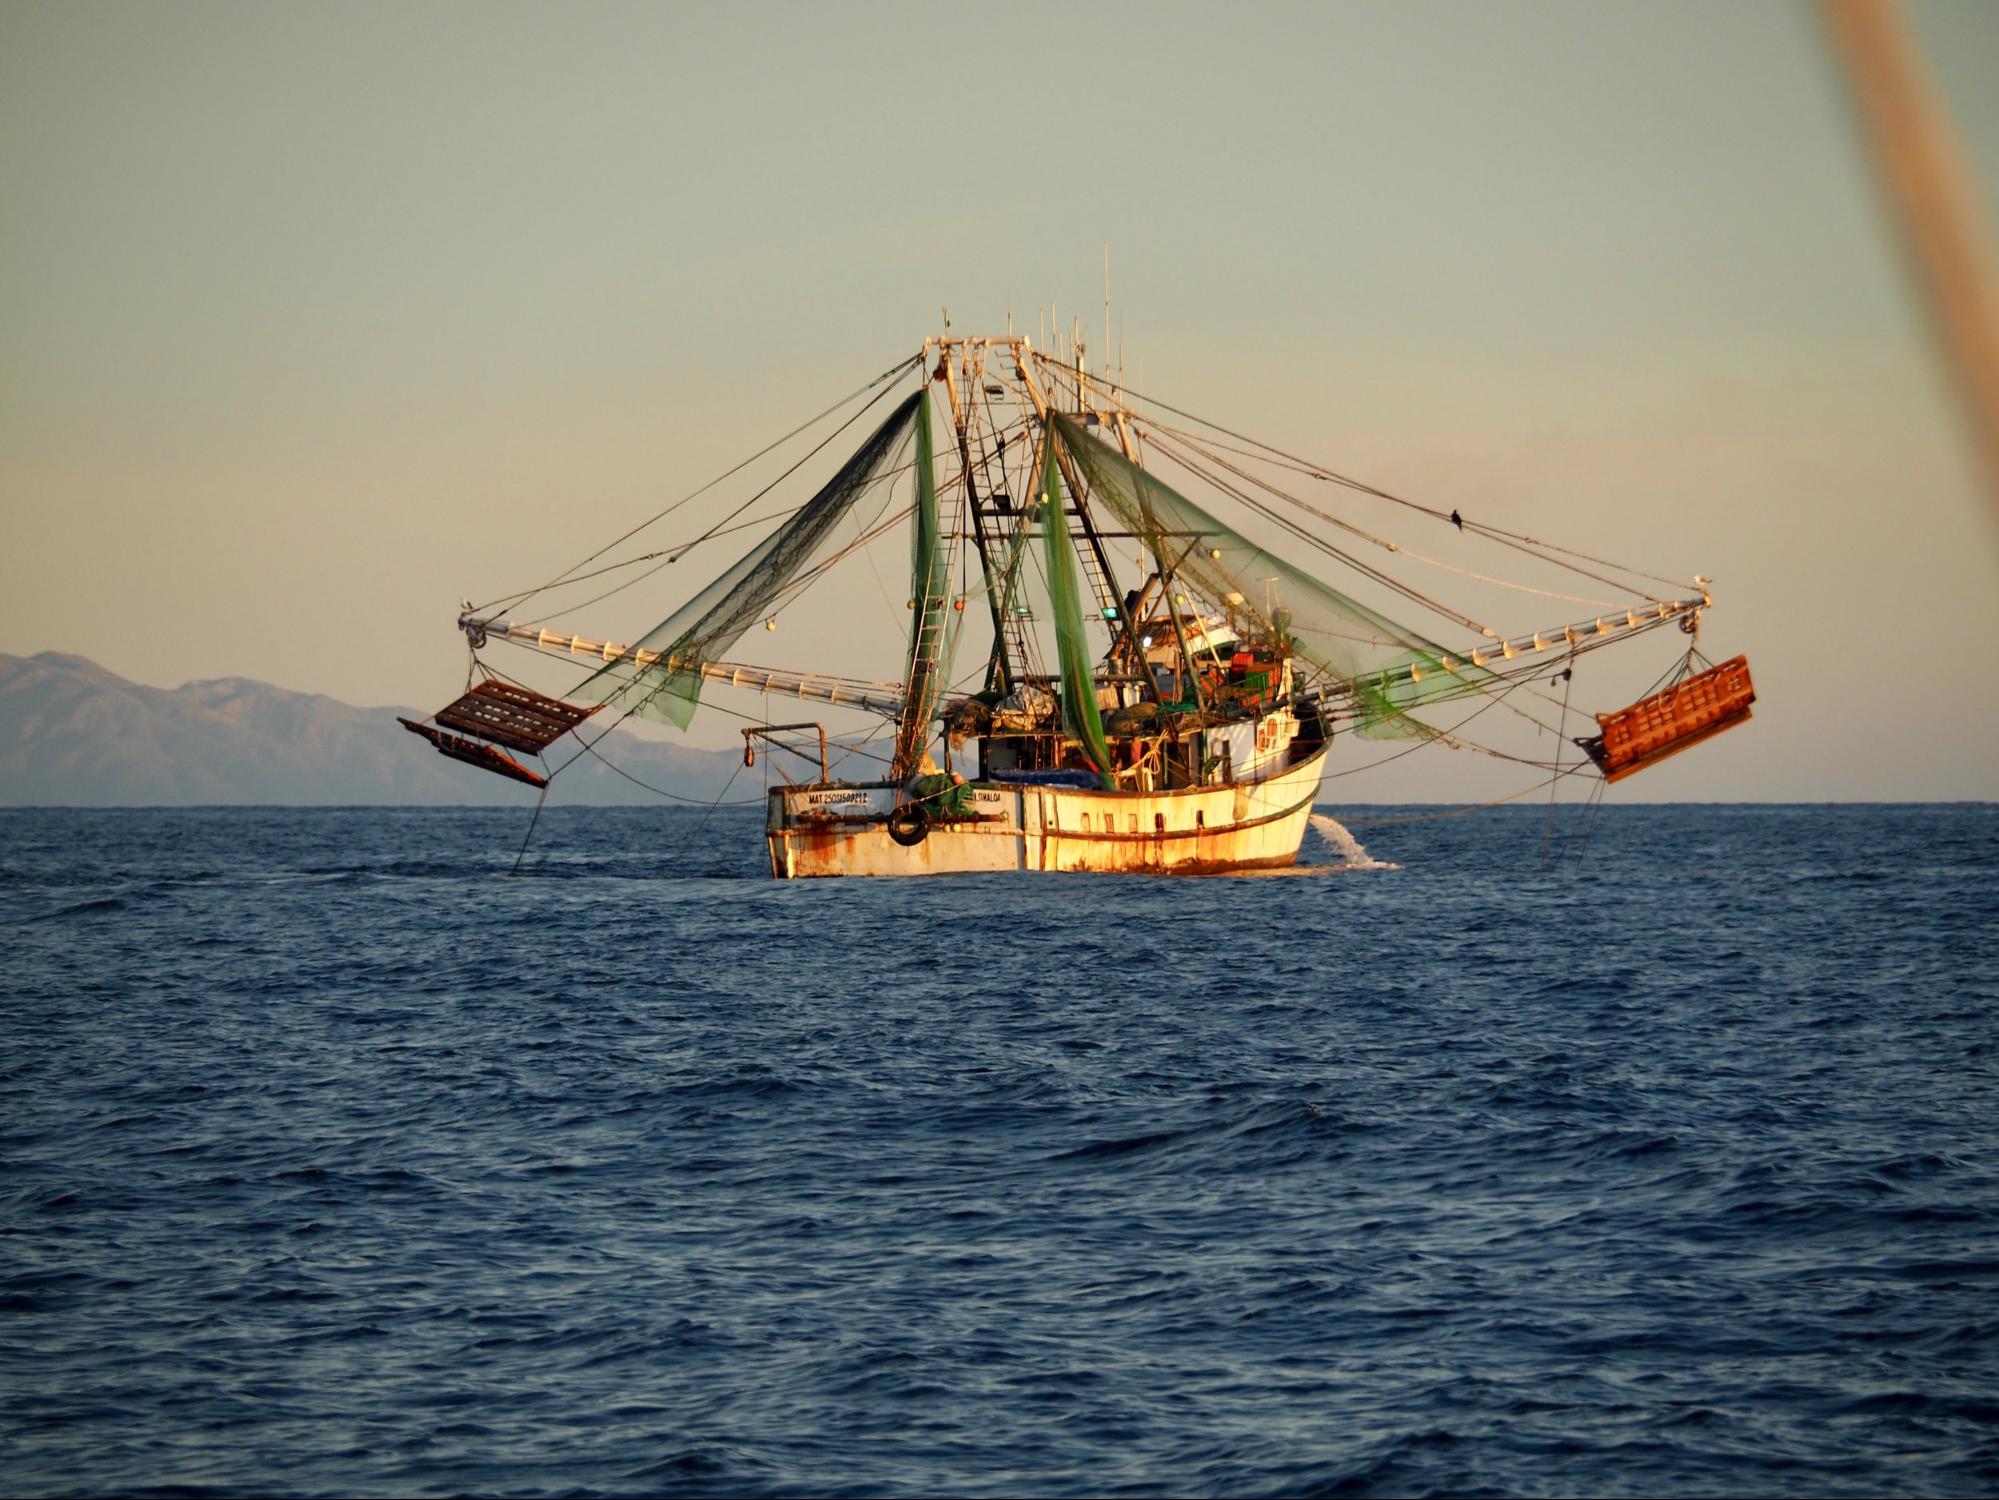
[(909, 825)]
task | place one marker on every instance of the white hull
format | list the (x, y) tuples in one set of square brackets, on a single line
[(1198, 830)]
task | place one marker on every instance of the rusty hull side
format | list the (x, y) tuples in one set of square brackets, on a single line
[(1198, 830)]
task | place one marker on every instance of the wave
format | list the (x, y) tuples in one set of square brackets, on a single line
[(94, 906)]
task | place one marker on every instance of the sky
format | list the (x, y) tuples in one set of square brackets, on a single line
[(318, 319)]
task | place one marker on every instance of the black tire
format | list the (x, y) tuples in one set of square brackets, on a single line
[(909, 825)]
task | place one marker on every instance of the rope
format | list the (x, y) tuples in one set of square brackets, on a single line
[(1431, 737), (508, 601), (1586, 824), (1548, 828), (1396, 547), (1395, 585), (661, 791), (632, 562), (589, 747), (1455, 812), (709, 812), (1331, 476), (523, 854), (719, 529)]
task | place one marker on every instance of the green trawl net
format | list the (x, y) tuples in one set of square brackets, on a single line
[(933, 633), (709, 623), (1079, 688), (1339, 644)]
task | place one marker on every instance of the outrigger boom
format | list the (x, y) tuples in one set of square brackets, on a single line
[(887, 697), (1576, 635), (873, 697)]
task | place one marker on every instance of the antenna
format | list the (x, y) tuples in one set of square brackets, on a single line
[(1107, 309), (1077, 351)]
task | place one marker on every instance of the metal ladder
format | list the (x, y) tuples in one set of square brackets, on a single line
[(933, 624), (1106, 594)]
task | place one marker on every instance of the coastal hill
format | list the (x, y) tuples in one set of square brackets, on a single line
[(73, 734)]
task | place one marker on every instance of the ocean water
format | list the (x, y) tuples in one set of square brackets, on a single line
[(335, 1161)]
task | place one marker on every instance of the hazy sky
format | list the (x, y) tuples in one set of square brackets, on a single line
[(318, 319)]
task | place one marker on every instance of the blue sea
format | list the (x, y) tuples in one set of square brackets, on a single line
[(336, 1161)]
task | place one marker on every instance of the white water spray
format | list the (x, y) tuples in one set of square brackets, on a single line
[(1353, 856)]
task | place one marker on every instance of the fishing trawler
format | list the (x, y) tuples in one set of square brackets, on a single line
[(1152, 688)]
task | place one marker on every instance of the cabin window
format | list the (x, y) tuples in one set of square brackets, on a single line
[(1131, 823), (1159, 822), (1200, 820), (1086, 822)]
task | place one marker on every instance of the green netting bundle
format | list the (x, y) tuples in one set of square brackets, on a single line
[(1080, 715), (709, 623), (1341, 645), (935, 615)]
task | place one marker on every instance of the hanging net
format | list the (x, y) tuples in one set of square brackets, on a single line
[(1080, 715), (1339, 645), (934, 624), (709, 623)]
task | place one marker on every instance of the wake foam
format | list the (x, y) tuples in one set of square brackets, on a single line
[(1352, 855)]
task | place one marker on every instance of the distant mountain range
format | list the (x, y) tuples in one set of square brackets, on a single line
[(73, 734)]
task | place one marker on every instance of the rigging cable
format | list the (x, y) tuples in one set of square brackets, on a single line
[(1395, 585), (1379, 541), (900, 367), (1548, 828), (630, 562), (1585, 826), (718, 529), (539, 802), (1455, 812), (590, 747), (1331, 476)]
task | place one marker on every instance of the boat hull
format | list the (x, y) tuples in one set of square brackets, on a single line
[(824, 831)]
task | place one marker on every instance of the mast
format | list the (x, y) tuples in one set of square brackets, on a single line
[(999, 671)]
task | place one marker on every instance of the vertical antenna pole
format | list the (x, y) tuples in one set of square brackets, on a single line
[(1107, 310), (1077, 346)]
